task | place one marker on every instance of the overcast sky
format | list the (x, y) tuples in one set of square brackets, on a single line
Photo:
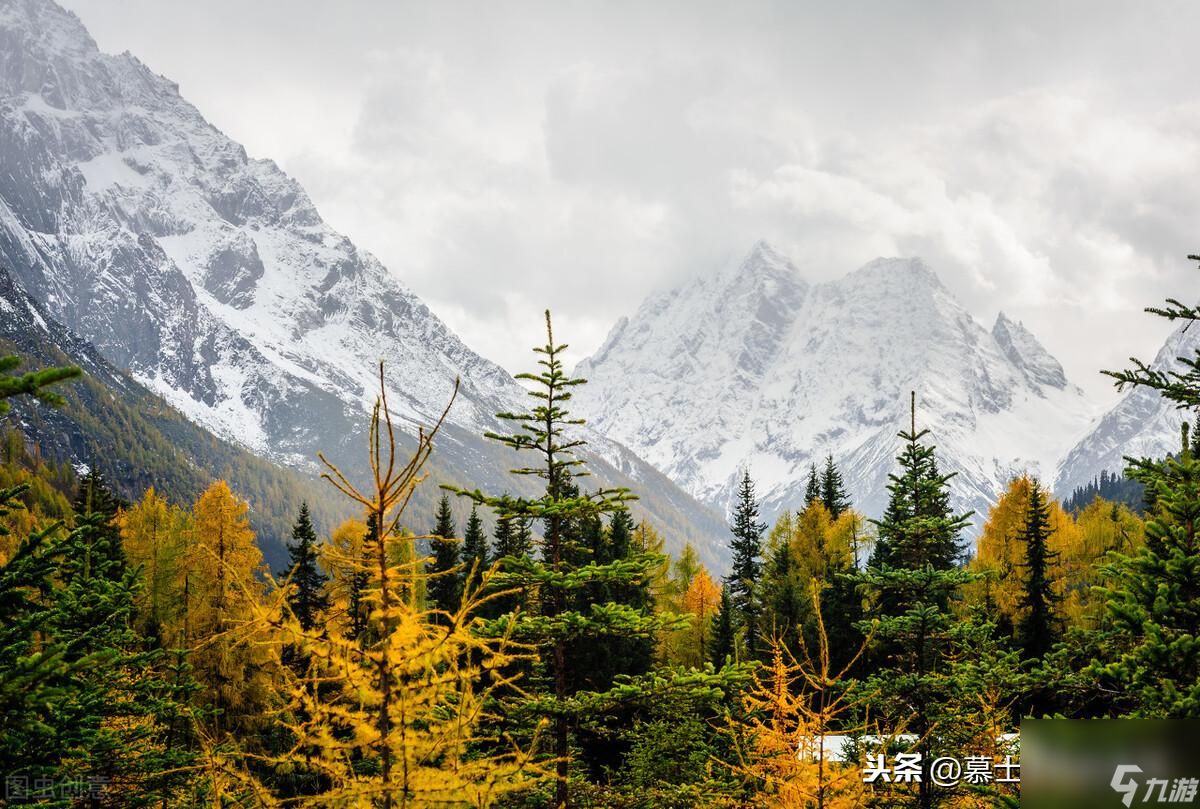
[(505, 157)]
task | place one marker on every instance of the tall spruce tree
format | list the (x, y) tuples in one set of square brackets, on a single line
[(81, 697), (812, 491), (513, 539), (833, 490), (746, 566), (474, 550), (445, 577), (1038, 628), (95, 497), (309, 600), (31, 666), (1153, 602), (543, 431), (724, 639), (121, 714), (911, 579), (784, 601)]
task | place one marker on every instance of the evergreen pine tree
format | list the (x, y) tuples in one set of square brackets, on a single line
[(911, 579), (562, 510), (1154, 601), (445, 577), (474, 550), (833, 490), (1153, 651), (918, 528), (724, 636), (513, 539), (121, 713), (746, 567), (1037, 630), (79, 696), (812, 491), (309, 600), (96, 497), (784, 605)]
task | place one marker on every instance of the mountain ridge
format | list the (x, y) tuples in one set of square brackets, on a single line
[(834, 377), (1141, 423)]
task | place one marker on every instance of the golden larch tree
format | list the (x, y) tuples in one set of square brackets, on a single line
[(795, 716), (1001, 554), (701, 601), (221, 575), (392, 716), (155, 536)]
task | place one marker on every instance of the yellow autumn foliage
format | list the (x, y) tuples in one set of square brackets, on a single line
[(155, 536), (782, 738), (396, 716), (1079, 546)]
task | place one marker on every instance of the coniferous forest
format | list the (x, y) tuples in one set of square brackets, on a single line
[(149, 657)]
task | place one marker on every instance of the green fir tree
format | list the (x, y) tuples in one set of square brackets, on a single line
[(812, 491), (833, 490), (911, 580), (309, 599), (1153, 652), (746, 567), (474, 550), (445, 583), (1038, 629), (724, 638), (543, 432)]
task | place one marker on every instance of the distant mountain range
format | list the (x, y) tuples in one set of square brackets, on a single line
[(757, 367)]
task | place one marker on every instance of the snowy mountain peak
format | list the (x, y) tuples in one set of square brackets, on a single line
[(710, 377), (1025, 352), (44, 26), (762, 271), (907, 276), (765, 258)]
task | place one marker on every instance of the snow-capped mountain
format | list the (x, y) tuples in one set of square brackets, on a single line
[(211, 277), (1141, 424), (757, 366)]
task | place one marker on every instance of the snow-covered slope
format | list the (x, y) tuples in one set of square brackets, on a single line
[(1141, 424), (213, 279), (755, 365)]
